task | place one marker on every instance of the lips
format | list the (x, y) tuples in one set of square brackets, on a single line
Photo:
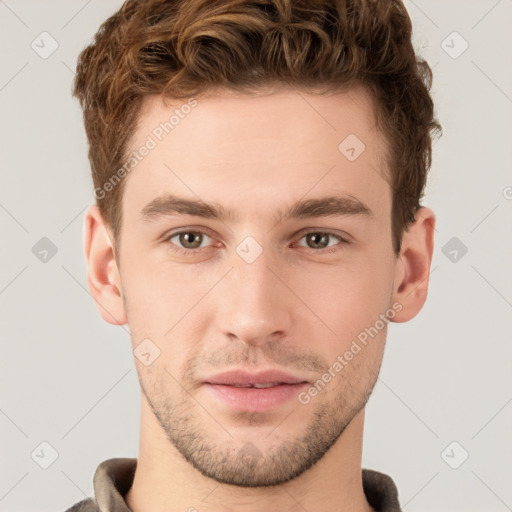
[(260, 380), (259, 392), (258, 386)]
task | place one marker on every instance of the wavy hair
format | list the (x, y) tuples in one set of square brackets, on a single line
[(181, 48)]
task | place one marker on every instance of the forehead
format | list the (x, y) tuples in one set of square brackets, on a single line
[(251, 151)]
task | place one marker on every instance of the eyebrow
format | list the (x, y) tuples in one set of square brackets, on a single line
[(333, 205)]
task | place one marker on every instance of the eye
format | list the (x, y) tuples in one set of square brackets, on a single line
[(319, 241), (187, 241)]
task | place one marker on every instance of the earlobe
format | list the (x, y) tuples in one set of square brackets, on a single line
[(103, 277), (412, 270)]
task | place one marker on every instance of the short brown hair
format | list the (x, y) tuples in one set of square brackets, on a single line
[(181, 48)]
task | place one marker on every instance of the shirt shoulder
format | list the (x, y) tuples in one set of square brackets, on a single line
[(380, 491), (87, 505), (112, 479)]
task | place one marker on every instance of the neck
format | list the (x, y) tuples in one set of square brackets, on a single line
[(164, 480)]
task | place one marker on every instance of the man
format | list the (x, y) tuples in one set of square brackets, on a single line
[(258, 169)]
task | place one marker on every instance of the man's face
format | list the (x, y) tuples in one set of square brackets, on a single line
[(258, 290)]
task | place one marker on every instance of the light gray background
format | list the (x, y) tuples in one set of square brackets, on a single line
[(68, 378)]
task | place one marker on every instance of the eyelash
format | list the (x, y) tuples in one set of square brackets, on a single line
[(326, 250)]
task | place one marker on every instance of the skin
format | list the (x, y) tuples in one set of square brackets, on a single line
[(295, 308)]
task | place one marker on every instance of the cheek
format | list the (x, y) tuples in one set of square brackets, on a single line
[(164, 298), (151, 296), (347, 298)]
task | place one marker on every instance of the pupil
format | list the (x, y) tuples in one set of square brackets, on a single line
[(317, 238), (191, 238)]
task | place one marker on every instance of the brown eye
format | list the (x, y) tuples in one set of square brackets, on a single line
[(323, 242), (317, 240), (188, 240)]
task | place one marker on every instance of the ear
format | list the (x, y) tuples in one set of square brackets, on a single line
[(412, 268), (102, 273)]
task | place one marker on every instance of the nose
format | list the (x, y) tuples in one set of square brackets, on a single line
[(254, 304)]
